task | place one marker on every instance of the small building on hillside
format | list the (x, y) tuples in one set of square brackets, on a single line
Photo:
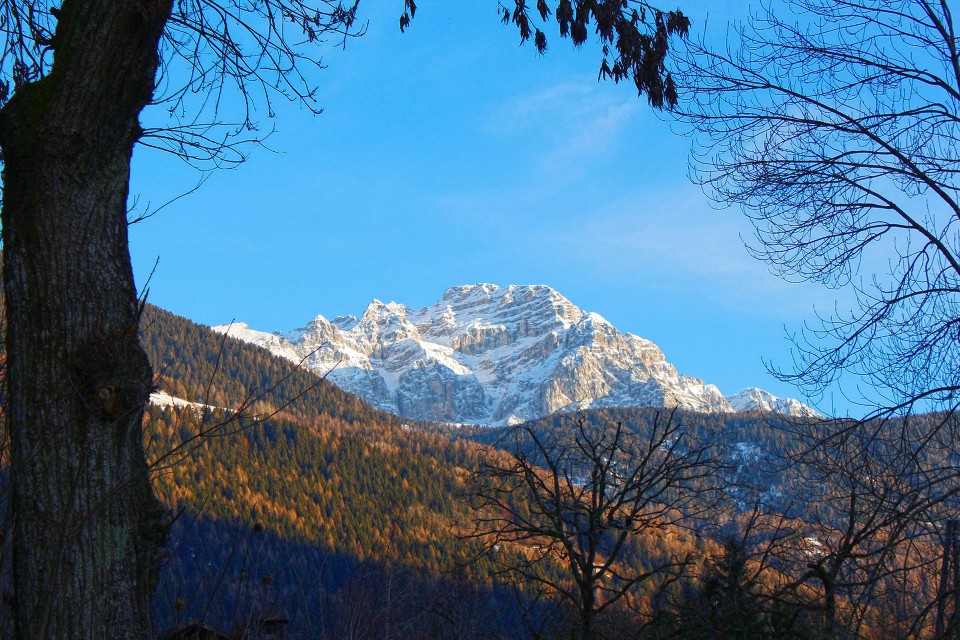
[(266, 623), (269, 622)]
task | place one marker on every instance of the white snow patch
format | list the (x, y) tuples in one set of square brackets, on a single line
[(164, 399)]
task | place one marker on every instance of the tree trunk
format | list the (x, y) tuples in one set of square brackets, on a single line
[(87, 527), (588, 602)]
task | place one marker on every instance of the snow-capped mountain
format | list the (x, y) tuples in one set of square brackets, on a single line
[(486, 354), (753, 399)]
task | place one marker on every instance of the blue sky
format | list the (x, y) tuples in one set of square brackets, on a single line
[(450, 155)]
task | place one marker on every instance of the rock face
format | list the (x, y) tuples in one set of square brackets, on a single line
[(486, 354)]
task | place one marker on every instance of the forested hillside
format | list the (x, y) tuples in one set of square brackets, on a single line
[(286, 491), (288, 495), (196, 364), (299, 494)]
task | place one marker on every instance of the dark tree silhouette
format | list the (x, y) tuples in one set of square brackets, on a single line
[(834, 124), (579, 499), (878, 499), (75, 76), (634, 38), (727, 604)]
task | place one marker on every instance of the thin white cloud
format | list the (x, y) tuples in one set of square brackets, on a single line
[(569, 124), (676, 241)]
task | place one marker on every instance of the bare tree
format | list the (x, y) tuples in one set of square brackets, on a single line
[(580, 499), (860, 544), (835, 124)]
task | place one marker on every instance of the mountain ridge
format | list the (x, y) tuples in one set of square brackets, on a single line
[(485, 354)]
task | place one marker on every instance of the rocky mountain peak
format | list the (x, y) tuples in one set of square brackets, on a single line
[(486, 354), (754, 399), (345, 323)]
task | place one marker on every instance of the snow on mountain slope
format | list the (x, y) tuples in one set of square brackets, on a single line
[(164, 399), (753, 399), (486, 354)]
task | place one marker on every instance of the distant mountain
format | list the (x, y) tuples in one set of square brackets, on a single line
[(495, 355), (753, 399)]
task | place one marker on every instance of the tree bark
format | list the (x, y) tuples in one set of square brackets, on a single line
[(588, 601), (86, 524)]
